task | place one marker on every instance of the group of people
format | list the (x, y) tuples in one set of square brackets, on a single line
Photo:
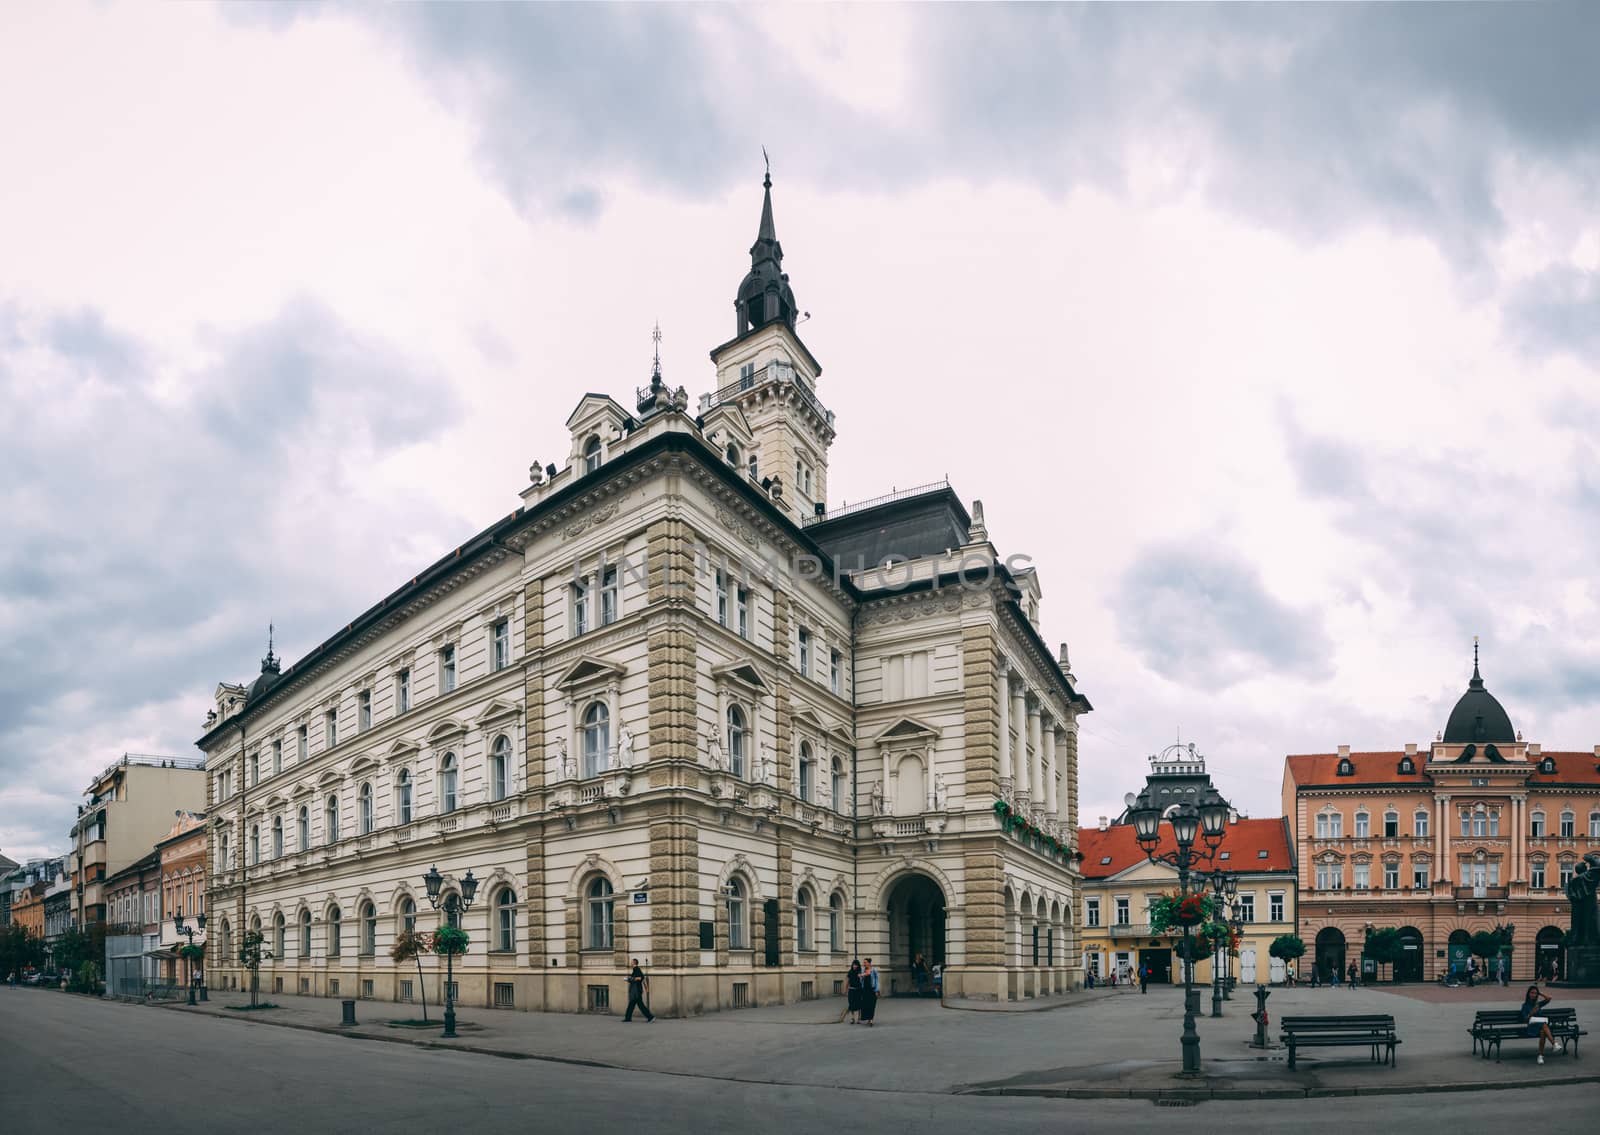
[(861, 993)]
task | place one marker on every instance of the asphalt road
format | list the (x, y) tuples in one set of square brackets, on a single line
[(67, 1063)]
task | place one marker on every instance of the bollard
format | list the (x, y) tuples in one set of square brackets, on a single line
[(349, 1012), (203, 996), (1260, 1017)]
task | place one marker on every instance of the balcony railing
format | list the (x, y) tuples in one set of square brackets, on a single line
[(1471, 892), (1131, 930), (774, 372)]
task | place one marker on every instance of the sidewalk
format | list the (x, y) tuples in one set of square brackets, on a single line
[(1105, 1043)]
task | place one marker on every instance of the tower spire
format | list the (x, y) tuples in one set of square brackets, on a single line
[(764, 294), (1476, 677), (269, 664), (655, 369)]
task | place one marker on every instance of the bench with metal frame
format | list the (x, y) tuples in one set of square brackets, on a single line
[(1492, 1026), (1372, 1031)]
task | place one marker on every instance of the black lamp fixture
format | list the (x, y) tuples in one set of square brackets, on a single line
[(454, 905), (189, 932)]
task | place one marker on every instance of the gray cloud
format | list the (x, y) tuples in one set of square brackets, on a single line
[(151, 534), (1203, 618), (1556, 310)]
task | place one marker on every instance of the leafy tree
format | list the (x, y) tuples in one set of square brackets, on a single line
[(1287, 947), (410, 945), (1385, 947), (20, 949), (251, 951), (1486, 944), (78, 945)]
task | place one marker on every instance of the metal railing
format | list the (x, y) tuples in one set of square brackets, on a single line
[(774, 372), (886, 498)]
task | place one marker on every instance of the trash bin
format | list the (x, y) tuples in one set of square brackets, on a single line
[(349, 1012)]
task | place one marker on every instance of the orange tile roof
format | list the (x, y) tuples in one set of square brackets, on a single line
[(1319, 769), (1244, 840)]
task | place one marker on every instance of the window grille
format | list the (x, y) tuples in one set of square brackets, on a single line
[(504, 997), (408, 991), (741, 995), (599, 998)]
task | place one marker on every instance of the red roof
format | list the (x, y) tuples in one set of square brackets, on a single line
[(1384, 768), (1243, 841)]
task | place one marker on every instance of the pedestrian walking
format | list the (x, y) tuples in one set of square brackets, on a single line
[(1352, 975), (638, 990), (852, 988), (869, 992), (1505, 974), (1144, 979)]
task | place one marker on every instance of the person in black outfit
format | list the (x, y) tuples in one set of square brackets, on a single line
[(852, 983), (638, 986), (1144, 979)]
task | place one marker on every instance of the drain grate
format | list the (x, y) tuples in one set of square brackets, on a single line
[(1175, 1103)]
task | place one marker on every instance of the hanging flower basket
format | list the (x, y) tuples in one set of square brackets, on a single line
[(1172, 909)]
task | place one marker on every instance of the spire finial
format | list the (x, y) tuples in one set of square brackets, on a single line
[(768, 181), (269, 664), (655, 370), (1475, 657)]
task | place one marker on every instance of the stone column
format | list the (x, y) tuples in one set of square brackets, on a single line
[(1052, 771), (1036, 757), (1006, 783), (1019, 756), (888, 800), (1442, 871)]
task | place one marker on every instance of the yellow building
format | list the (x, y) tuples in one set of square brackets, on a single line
[(1119, 883)]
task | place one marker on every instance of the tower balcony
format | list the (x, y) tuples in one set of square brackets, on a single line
[(773, 373)]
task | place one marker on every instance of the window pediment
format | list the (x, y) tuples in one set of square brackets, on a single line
[(446, 731), (401, 750), (588, 671), (498, 711), (907, 730), (742, 673)]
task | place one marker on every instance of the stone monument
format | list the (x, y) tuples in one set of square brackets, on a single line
[(1583, 942)]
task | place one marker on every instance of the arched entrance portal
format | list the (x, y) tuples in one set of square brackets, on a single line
[(1330, 953), (1458, 952), (1547, 953), (1409, 966), (916, 914)]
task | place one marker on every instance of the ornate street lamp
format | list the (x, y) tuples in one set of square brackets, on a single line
[(1224, 890), (1207, 820), (189, 932), (453, 905)]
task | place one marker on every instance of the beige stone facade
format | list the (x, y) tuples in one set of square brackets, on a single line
[(665, 710)]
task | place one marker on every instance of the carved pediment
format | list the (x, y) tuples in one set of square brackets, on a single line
[(446, 731), (498, 711), (587, 670), (742, 672), (364, 763), (403, 749), (905, 731)]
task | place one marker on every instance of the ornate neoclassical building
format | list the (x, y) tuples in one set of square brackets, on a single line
[(1476, 831), (670, 708)]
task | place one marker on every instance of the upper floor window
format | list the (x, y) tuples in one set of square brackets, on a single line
[(363, 711), (1330, 876), (1363, 825), (1536, 823), (608, 596), (1594, 825), (580, 607), (303, 828), (596, 739), (447, 669), (1330, 825), (1480, 823), (742, 603), (501, 644), (747, 374), (330, 819), (302, 743), (1494, 822), (369, 929), (806, 771), (721, 599), (447, 783), (1247, 908), (736, 934), (1566, 871), (1420, 824), (1391, 824), (1275, 906), (835, 671), (736, 740), (802, 920), (305, 933), (255, 844), (805, 652), (255, 768), (277, 837), (402, 794), (408, 915), (277, 757), (1091, 912), (1391, 874), (500, 768), (330, 729), (1569, 825), (335, 925), (839, 791), (591, 454), (1536, 875), (1124, 913), (402, 691), (364, 803)]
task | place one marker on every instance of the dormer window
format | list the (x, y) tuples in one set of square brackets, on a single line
[(1345, 767), (1547, 766), (591, 454), (733, 454), (1407, 766)]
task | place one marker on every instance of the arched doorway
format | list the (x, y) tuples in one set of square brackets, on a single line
[(1330, 952), (916, 914), (1458, 952), (1547, 953), (1409, 966)]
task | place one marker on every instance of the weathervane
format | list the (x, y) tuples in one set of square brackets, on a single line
[(769, 165), (655, 370)]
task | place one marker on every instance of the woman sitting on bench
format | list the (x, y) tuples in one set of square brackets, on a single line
[(1538, 1026)]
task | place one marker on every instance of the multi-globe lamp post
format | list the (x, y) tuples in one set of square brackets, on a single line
[(189, 932), (1206, 821), (453, 905), (1224, 890)]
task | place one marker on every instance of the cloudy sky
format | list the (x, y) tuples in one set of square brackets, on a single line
[(1272, 334)]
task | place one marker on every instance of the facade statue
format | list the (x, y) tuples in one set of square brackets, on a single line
[(625, 748), (939, 795), (566, 767), (1581, 890), (765, 769), (880, 806), (714, 750)]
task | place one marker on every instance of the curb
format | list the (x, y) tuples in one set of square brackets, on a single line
[(1274, 1093)]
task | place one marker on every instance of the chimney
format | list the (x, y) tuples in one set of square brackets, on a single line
[(1597, 751), (1233, 815), (1103, 823), (1534, 750), (1344, 750), (1411, 749)]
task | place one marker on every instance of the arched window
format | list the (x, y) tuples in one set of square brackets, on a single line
[(802, 920), (1569, 824), (836, 923), (500, 768), (733, 454), (591, 454), (305, 933), (369, 929), (599, 921), (1536, 823), (222, 844), (227, 939), (255, 844), (1594, 825), (1363, 824), (838, 785), (330, 818), (402, 792), (505, 920), (1391, 824), (736, 741), (807, 773), (736, 924), (277, 837), (596, 739), (1480, 821), (408, 915), (304, 829), (280, 934), (255, 768), (364, 801), (447, 783), (1419, 823), (334, 926)]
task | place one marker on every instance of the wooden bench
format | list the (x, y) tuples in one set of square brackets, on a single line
[(1372, 1031), (1492, 1026)]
